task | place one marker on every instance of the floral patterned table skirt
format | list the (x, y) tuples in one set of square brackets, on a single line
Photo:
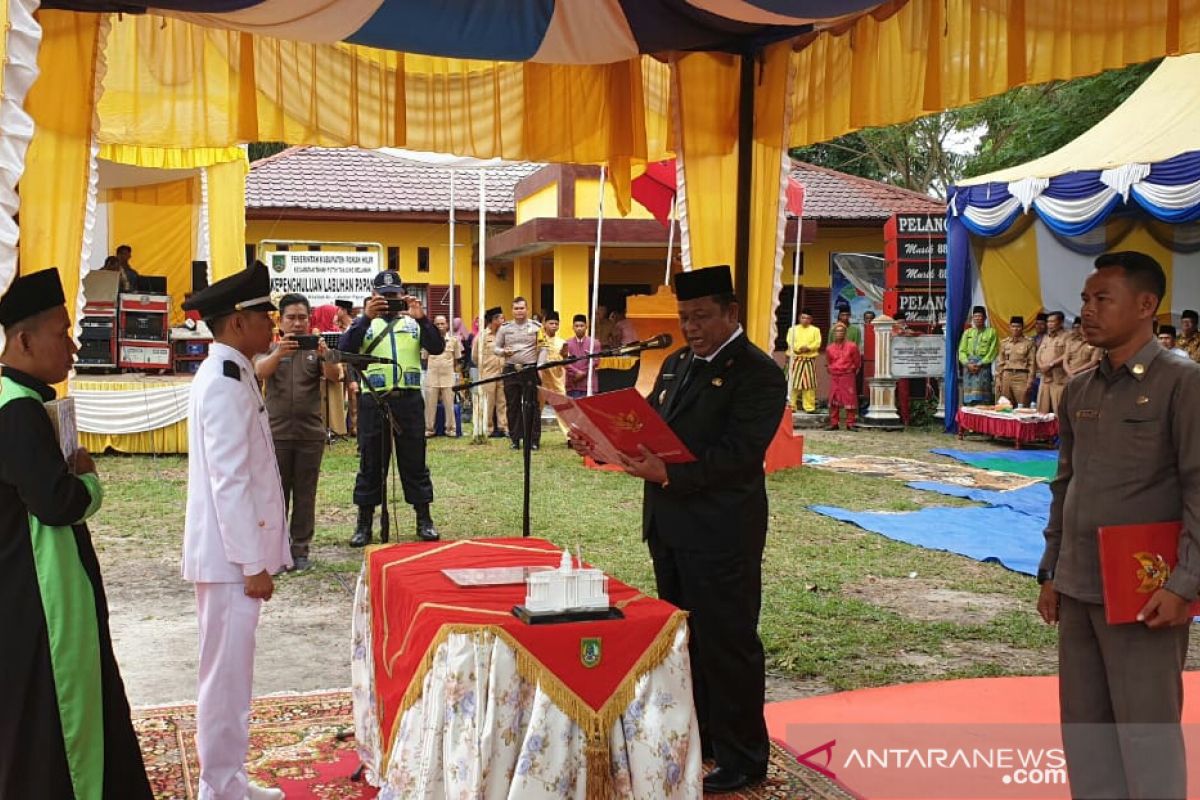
[(482, 730)]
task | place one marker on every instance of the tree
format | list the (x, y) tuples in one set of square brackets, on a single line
[(1031, 121), (258, 150)]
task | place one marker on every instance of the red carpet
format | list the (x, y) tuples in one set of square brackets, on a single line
[(888, 742)]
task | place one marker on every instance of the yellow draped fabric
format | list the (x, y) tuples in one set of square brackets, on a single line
[(227, 216), (170, 157), (708, 102), (1009, 274), (911, 58), (158, 221), (54, 187)]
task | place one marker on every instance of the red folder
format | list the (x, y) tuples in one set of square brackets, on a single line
[(1135, 562), (616, 423)]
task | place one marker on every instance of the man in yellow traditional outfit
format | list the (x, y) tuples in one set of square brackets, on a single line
[(804, 345)]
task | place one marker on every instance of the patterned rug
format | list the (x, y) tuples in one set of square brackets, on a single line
[(294, 745)]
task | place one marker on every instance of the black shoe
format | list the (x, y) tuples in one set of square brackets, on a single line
[(362, 533), (426, 532), (722, 781), (514, 446), (499, 435), (300, 563), (533, 447)]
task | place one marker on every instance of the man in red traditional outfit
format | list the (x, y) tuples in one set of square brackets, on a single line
[(843, 360)]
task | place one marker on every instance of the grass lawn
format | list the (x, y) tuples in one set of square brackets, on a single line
[(842, 608)]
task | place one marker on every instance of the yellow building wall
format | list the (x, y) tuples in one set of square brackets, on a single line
[(587, 198), (542, 203), (817, 266), (408, 236)]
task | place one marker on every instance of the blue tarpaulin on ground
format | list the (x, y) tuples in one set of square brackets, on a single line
[(1006, 531)]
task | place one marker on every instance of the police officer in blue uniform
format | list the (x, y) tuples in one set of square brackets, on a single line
[(398, 336)]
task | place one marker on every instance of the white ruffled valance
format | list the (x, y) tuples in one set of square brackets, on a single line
[(23, 37), (994, 216), (1122, 178), (120, 411), (1075, 210)]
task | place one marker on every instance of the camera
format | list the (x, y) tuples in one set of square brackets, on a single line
[(396, 306), (306, 342)]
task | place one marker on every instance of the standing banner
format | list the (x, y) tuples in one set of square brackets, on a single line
[(324, 276)]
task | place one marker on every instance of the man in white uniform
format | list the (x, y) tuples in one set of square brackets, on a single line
[(235, 536)]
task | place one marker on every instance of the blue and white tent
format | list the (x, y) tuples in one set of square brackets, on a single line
[(1023, 239)]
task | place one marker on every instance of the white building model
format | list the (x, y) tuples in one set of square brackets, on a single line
[(566, 589)]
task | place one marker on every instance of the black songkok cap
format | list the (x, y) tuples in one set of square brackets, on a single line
[(579, 318), (552, 315), (1167, 329), (1042, 317), (346, 305), (1016, 319), (248, 290), (1190, 314), (492, 313), (31, 294), (978, 310), (703, 283)]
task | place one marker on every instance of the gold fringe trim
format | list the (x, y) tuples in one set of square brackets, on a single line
[(596, 725)]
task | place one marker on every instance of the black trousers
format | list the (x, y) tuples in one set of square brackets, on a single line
[(512, 397), (376, 444), (299, 469), (722, 590)]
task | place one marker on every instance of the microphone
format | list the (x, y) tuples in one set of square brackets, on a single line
[(354, 359), (663, 340)]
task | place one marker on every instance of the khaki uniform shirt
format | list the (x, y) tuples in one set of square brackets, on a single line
[(1053, 346), (523, 338), (440, 372), (1129, 454), (1016, 354), (293, 398), (490, 364), (1079, 353)]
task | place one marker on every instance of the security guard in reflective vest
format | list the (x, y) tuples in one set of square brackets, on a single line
[(388, 332)]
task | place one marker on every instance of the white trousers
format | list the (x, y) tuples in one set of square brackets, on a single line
[(228, 619)]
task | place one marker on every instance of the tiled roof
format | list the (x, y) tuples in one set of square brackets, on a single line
[(350, 179), (833, 195)]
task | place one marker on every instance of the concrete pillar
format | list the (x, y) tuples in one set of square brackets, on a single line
[(882, 411), (571, 276), (523, 282)]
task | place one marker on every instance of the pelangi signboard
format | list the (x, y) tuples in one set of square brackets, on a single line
[(915, 275), (324, 276)]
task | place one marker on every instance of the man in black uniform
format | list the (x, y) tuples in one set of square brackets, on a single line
[(706, 521), (64, 724), (394, 333)]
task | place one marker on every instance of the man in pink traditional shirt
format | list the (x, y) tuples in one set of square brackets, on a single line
[(843, 360)]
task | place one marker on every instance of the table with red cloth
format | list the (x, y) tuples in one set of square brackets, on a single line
[(1022, 429), (454, 696)]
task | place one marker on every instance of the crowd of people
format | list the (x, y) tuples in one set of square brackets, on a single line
[(844, 361), (1031, 369), (1129, 455)]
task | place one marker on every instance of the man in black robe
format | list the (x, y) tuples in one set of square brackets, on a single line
[(65, 730), (706, 521)]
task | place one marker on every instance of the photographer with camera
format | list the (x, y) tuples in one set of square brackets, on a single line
[(394, 329), (291, 373)]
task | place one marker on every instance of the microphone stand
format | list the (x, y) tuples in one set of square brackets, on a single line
[(528, 378)]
